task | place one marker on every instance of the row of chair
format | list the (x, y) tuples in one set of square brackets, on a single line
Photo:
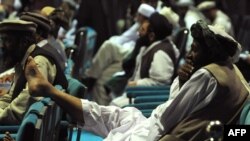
[(146, 99), (40, 123)]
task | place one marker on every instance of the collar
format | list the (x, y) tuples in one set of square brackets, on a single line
[(42, 43), (151, 47)]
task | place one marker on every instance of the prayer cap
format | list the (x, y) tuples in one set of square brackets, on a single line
[(184, 3), (146, 10), (171, 16), (206, 5)]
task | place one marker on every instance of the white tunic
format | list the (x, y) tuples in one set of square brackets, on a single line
[(159, 74), (128, 124)]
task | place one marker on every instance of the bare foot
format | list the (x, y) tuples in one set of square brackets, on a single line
[(7, 137), (38, 85)]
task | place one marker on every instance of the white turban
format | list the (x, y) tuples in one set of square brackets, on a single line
[(171, 16), (146, 10), (206, 5)]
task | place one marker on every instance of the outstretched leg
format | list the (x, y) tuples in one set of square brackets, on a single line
[(38, 85)]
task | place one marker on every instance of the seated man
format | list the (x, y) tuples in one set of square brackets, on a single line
[(215, 16), (107, 60), (58, 20), (19, 42), (212, 88), (154, 49)]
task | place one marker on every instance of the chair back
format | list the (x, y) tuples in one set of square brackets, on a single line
[(180, 41), (245, 114), (85, 41)]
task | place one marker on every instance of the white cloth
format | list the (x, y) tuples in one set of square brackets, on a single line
[(108, 60), (191, 17), (146, 10), (113, 51), (126, 41), (128, 124), (7, 72), (224, 21), (159, 74)]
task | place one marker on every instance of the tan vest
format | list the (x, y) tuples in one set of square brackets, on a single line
[(225, 106)]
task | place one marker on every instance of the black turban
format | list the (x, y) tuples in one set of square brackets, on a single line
[(160, 26), (215, 40)]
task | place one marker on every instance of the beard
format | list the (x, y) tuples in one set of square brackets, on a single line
[(203, 60), (144, 41)]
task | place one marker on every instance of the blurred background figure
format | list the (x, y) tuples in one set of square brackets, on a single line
[(214, 16), (108, 59), (188, 16)]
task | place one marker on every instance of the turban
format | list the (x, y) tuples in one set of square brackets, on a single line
[(215, 38)]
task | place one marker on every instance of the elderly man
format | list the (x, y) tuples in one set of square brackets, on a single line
[(18, 42), (211, 88), (42, 34)]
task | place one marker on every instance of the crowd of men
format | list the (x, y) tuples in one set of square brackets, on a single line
[(203, 84)]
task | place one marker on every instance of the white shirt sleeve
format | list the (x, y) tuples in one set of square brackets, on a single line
[(127, 36), (174, 89), (193, 95), (161, 70)]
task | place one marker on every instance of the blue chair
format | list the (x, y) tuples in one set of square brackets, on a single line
[(151, 98), (37, 108), (147, 88), (85, 41), (134, 94), (147, 112), (30, 129), (86, 136), (78, 134), (145, 106), (245, 114), (75, 87), (52, 125)]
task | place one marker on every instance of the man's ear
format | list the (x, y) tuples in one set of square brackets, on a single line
[(151, 36)]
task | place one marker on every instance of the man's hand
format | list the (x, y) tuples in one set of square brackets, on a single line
[(185, 71)]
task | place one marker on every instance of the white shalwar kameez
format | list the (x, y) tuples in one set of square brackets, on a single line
[(128, 124)]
